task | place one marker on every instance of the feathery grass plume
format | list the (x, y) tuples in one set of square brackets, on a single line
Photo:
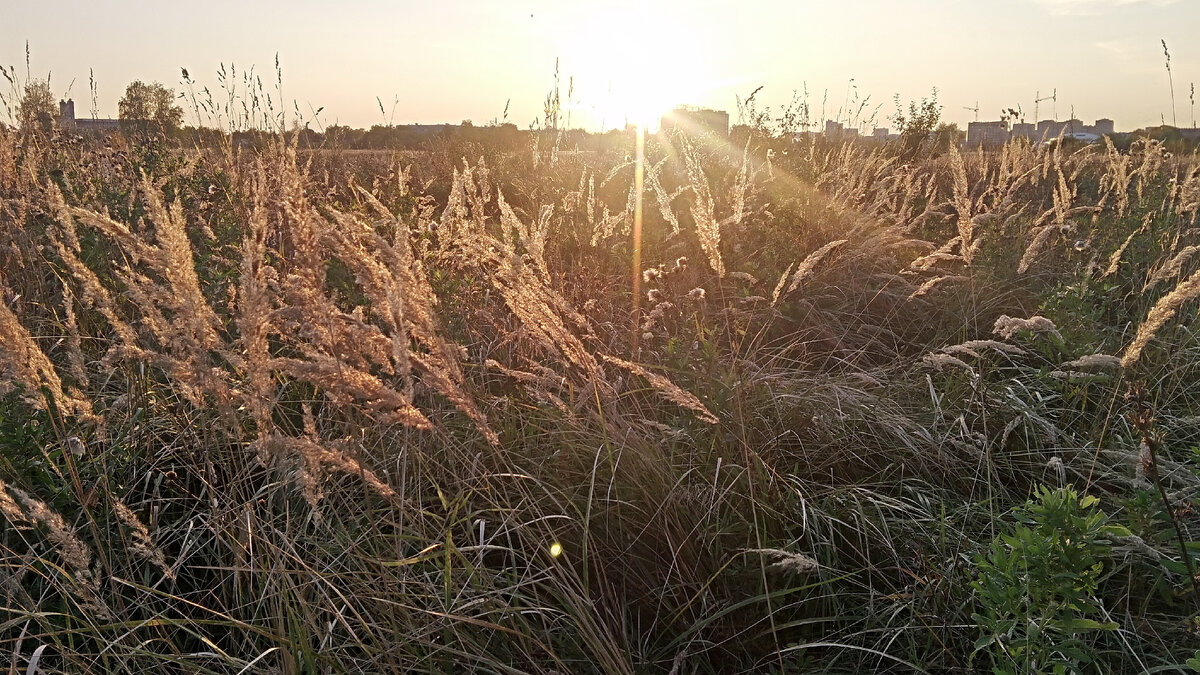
[(943, 361), (541, 387), (1153, 153), (750, 279), (254, 311), (1100, 361), (606, 225), (317, 458), (1117, 176), (143, 545), (65, 238), (962, 203), (541, 310), (1189, 194), (532, 236), (480, 192), (453, 225), (783, 278), (805, 269), (1078, 376), (664, 200), (943, 253), (345, 385), (1173, 267), (74, 339), (703, 212), (1163, 311), (591, 203), (21, 360), (76, 556), (788, 561), (739, 188), (1114, 261), (341, 347), (1053, 221), (666, 388), (977, 347), (411, 284), (70, 548), (1007, 327), (189, 337), (9, 507), (930, 284)]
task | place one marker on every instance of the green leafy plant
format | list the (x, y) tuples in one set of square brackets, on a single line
[(1037, 585)]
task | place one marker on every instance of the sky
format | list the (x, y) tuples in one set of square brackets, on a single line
[(366, 62)]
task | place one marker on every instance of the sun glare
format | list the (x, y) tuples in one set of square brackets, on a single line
[(632, 62)]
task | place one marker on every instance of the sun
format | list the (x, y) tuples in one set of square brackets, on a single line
[(632, 62)]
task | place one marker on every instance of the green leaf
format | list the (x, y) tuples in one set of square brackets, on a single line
[(1117, 531), (1079, 624)]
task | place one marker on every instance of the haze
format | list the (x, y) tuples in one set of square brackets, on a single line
[(443, 62)]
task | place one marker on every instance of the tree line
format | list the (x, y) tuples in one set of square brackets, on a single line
[(150, 106)]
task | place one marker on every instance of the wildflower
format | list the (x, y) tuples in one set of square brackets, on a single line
[(651, 274), (696, 294), (1055, 464), (654, 295), (680, 264)]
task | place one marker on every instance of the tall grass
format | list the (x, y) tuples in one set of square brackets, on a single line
[(259, 415)]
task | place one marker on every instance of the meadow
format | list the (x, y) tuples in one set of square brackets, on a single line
[(860, 408)]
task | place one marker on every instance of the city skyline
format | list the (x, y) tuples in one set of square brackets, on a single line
[(375, 63)]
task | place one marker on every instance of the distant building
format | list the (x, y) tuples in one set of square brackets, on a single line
[(696, 120), (987, 133), (1045, 130), (1024, 130), (880, 134), (67, 120), (839, 130)]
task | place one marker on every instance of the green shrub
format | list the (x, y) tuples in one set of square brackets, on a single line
[(1036, 586)]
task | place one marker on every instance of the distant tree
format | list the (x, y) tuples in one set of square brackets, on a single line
[(37, 110), (145, 104), (946, 135), (917, 126)]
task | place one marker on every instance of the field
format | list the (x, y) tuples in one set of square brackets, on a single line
[(857, 409)]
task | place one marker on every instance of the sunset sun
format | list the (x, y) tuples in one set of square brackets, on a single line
[(633, 61)]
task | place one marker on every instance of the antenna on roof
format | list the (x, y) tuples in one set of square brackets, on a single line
[(975, 110), (1038, 98)]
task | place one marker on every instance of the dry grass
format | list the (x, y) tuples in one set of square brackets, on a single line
[(271, 417)]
